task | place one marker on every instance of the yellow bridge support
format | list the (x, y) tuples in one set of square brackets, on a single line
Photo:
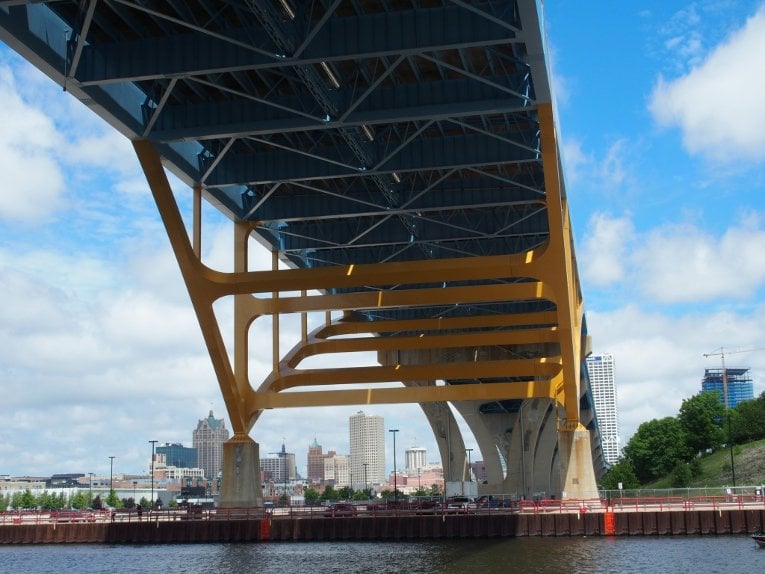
[(442, 349)]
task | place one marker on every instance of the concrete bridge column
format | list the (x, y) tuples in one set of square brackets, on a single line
[(576, 456), (484, 436), (240, 487)]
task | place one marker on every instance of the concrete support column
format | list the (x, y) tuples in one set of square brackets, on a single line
[(576, 459), (241, 473)]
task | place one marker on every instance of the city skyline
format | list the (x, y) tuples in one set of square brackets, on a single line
[(100, 348)]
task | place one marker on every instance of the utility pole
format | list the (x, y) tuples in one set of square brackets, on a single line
[(395, 482), (153, 443), (111, 474)]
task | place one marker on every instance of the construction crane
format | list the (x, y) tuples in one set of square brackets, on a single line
[(721, 351)]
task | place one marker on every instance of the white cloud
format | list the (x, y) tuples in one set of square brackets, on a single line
[(605, 248), (574, 160), (677, 262), (682, 263), (32, 178), (718, 104)]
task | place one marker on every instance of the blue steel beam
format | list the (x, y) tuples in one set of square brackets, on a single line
[(245, 115), (233, 50), (462, 151)]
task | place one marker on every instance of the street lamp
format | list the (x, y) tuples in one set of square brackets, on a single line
[(419, 488), (90, 490), (134, 483), (153, 442), (366, 484), (395, 472), (111, 473), (470, 475)]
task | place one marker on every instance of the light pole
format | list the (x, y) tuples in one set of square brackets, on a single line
[(419, 488), (470, 475), (366, 484), (730, 445), (153, 442), (90, 490), (111, 473), (395, 472), (134, 483)]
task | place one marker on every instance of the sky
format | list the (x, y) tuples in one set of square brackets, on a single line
[(663, 132)]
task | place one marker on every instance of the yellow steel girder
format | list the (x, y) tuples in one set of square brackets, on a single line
[(546, 273)]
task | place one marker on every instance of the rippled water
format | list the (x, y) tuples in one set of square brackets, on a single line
[(695, 554)]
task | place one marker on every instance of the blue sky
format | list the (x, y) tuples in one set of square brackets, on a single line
[(664, 136)]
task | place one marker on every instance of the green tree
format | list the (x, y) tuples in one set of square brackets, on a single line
[(79, 500), (682, 475), (435, 490), (620, 472), (43, 501), (113, 500), (656, 448), (748, 420), (701, 417), (345, 493), (330, 493), (5, 502), (365, 494), (27, 500), (311, 496), (97, 503)]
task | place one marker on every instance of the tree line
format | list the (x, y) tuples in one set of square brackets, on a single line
[(672, 446), (331, 494), (80, 500)]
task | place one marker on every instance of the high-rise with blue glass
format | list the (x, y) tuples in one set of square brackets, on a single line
[(735, 383)]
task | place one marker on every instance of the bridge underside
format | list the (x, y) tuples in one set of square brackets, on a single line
[(505, 372), (400, 161)]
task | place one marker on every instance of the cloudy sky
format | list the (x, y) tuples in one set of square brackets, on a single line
[(664, 133)]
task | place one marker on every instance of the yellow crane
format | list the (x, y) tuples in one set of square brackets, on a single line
[(721, 351)]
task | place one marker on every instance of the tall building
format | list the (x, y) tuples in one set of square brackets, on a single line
[(178, 455), (315, 463), (737, 381), (336, 470), (367, 441), (416, 458), (280, 468), (208, 439), (602, 383)]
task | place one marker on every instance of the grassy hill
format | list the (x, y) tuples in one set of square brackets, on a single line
[(715, 469)]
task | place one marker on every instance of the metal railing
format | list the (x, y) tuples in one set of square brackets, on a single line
[(345, 510)]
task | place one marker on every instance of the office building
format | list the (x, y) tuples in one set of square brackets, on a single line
[(336, 470), (416, 458), (367, 441), (208, 439), (280, 469), (178, 455), (315, 463), (736, 382), (603, 386)]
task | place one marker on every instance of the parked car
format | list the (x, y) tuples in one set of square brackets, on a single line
[(341, 509)]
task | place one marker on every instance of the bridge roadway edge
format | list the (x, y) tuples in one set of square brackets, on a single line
[(390, 528)]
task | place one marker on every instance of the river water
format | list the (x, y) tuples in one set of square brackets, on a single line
[(692, 554)]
